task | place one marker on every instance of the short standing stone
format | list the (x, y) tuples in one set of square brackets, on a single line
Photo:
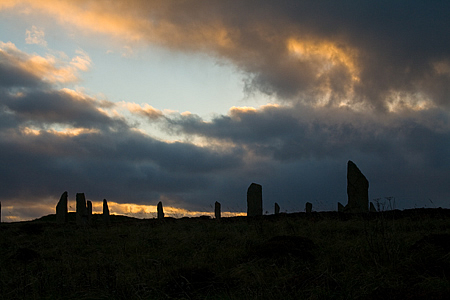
[(372, 207), (340, 207), (277, 209), (61, 209), (217, 210), (308, 207), (160, 211), (254, 200), (357, 189), (81, 209), (89, 212), (106, 218)]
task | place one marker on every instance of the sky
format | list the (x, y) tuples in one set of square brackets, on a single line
[(189, 102)]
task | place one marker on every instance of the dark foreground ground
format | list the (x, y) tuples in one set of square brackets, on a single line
[(390, 255)]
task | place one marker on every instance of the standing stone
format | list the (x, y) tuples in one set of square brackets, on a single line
[(81, 209), (106, 218), (340, 207), (0, 212), (217, 210), (61, 209), (372, 207), (308, 207), (160, 211), (277, 209), (89, 212), (357, 189), (254, 200)]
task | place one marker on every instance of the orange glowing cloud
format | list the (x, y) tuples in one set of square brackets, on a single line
[(128, 23), (50, 68), (145, 110)]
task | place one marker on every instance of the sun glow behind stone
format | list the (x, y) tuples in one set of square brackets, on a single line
[(30, 211)]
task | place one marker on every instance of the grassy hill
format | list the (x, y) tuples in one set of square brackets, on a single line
[(390, 255)]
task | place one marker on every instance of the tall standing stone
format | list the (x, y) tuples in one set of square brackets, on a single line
[(89, 212), (217, 210), (357, 189), (81, 209), (160, 211), (277, 209), (254, 200), (106, 218), (61, 209), (308, 207)]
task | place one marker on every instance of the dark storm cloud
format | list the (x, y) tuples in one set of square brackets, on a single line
[(46, 107), (357, 51), (303, 152), (292, 133), (122, 165)]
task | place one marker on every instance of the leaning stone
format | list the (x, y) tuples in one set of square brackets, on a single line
[(372, 207), (308, 207), (61, 209), (277, 209), (254, 200), (89, 212), (340, 207), (357, 189), (106, 218), (217, 210), (81, 209), (160, 211)]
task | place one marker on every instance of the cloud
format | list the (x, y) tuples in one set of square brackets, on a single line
[(359, 80), (35, 69), (35, 36), (360, 54), (146, 111), (54, 139)]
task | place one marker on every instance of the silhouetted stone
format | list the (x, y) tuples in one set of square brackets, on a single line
[(61, 209), (160, 211), (357, 189), (340, 207), (106, 218), (308, 207), (372, 207), (81, 209), (254, 200), (0, 211), (89, 212), (217, 210), (277, 209)]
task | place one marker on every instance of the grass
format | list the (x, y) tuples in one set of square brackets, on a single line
[(390, 255)]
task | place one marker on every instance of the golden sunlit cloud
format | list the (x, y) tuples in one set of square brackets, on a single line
[(325, 54), (145, 110), (69, 132), (49, 68)]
